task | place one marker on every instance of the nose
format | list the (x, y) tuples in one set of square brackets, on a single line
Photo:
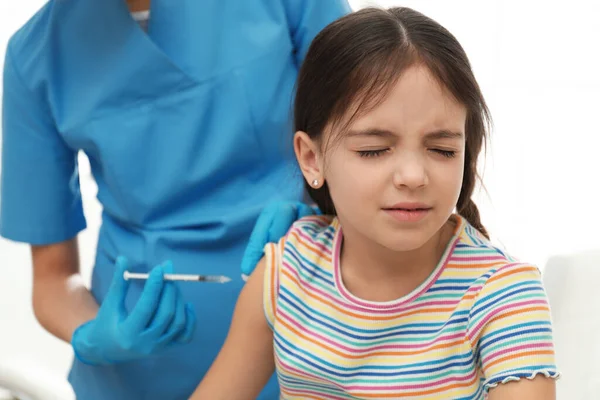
[(410, 171)]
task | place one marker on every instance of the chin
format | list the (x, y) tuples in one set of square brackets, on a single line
[(402, 244)]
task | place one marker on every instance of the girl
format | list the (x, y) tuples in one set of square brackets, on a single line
[(396, 292)]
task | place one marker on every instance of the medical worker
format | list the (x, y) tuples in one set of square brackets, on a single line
[(182, 107)]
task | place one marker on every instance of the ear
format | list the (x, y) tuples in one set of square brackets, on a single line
[(309, 158)]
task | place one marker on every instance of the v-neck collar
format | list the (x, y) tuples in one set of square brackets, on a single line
[(113, 28)]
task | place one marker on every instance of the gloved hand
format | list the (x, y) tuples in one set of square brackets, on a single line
[(158, 320), (273, 223)]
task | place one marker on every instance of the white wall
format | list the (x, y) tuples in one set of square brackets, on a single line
[(21, 338), (537, 62)]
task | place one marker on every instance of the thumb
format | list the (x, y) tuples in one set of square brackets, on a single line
[(119, 286), (258, 239)]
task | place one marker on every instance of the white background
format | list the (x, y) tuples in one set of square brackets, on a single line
[(538, 62)]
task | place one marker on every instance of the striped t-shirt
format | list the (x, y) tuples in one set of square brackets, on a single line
[(480, 319)]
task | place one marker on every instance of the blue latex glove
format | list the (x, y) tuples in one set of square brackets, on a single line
[(272, 224), (159, 319)]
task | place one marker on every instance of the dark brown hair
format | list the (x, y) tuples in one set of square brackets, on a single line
[(354, 62)]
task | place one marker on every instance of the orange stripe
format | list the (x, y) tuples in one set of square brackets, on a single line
[(405, 394), (519, 311), (360, 316), (484, 267), (308, 245), (273, 270), (302, 376), (511, 272), (518, 355), (508, 314), (366, 354), (304, 396)]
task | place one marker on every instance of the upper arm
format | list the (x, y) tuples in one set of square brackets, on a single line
[(539, 388), (41, 202), (245, 363), (55, 260), (308, 17), (510, 329)]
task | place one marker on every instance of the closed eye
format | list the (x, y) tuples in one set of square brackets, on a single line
[(371, 153), (445, 153)]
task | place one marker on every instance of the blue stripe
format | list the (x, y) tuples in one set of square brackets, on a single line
[(292, 301), (504, 296), (512, 335), (447, 280), (437, 288), (315, 271), (288, 348), (518, 326)]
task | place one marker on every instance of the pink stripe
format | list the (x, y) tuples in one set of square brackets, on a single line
[(318, 395), (476, 258), (497, 311), (308, 287), (475, 288), (301, 373), (421, 386), (394, 305), (293, 322), (290, 319), (516, 349), (311, 220), (283, 366), (321, 246), (348, 388)]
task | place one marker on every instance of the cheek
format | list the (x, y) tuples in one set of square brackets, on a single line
[(351, 180), (449, 178)]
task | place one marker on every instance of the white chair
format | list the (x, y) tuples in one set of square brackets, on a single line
[(573, 286), (25, 380)]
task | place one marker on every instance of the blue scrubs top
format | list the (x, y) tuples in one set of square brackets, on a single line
[(188, 133)]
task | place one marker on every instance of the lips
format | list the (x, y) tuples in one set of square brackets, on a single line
[(408, 212), (409, 207)]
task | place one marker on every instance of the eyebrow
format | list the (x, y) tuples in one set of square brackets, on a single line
[(439, 134), (372, 132), (444, 134)]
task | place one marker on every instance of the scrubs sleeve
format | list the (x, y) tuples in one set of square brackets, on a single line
[(308, 17), (40, 199)]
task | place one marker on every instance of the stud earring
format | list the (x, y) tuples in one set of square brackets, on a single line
[(315, 183)]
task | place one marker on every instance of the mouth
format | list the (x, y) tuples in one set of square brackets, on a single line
[(407, 209), (408, 213)]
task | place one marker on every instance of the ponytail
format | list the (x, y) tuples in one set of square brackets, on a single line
[(470, 212)]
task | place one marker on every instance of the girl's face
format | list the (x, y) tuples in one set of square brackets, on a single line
[(395, 175)]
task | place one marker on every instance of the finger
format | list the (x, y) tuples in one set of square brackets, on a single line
[(165, 312), (281, 222), (178, 323), (148, 302), (258, 239), (118, 288), (190, 325)]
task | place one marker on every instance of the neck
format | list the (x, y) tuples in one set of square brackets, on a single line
[(138, 5), (362, 260)]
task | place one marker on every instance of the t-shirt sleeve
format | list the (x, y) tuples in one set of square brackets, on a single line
[(40, 200), (510, 326), (273, 254)]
